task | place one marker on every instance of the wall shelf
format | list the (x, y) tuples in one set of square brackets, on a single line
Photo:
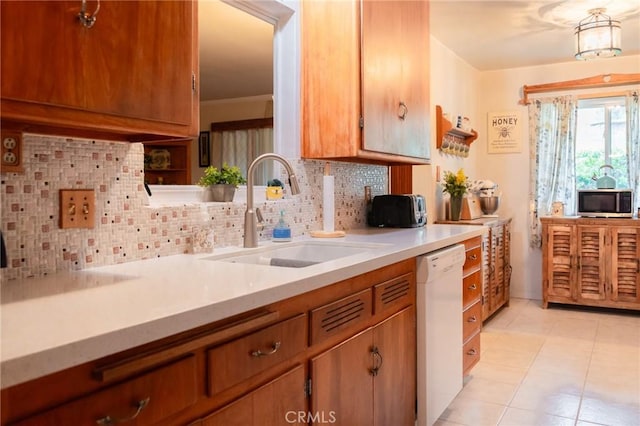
[(178, 172), (451, 139)]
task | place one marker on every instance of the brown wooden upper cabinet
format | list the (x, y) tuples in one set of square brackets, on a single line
[(130, 76), (365, 81)]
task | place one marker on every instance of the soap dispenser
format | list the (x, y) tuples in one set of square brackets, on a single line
[(281, 232)]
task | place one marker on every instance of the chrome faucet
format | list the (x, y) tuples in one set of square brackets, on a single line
[(251, 216)]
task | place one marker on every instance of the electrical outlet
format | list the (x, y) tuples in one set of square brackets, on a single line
[(77, 208), (11, 152)]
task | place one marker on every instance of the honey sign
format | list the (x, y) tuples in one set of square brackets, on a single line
[(504, 132)]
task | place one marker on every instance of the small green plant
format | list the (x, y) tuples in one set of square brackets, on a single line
[(226, 175)]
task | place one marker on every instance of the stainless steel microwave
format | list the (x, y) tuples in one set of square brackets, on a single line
[(605, 202)]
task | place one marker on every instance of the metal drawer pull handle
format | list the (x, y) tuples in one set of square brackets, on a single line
[(472, 287), (472, 319), (402, 110), (377, 361), (473, 257), (108, 420), (88, 19), (472, 352), (274, 348)]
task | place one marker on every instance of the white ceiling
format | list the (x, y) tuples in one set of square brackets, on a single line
[(493, 35), (236, 49)]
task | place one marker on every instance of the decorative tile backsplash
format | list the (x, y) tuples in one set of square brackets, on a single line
[(127, 229)]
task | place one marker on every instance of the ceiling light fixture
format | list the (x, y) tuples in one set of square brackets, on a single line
[(597, 36)]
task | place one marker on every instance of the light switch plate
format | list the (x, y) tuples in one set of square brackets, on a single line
[(11, 152), (77, 208)]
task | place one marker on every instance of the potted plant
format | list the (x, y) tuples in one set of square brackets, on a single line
[(456, 186), (220, 185)]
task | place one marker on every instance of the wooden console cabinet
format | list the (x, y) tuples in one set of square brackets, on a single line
[(591, 261), (344, 354)]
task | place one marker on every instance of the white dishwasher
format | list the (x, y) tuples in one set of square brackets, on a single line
[(439, 331)]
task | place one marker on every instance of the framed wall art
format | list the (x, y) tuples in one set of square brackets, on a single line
[(204, 150)]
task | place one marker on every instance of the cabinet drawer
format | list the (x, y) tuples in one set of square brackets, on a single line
[(240, 359), (471, 288), (471, 320), (340, 315), (393, 295), (149, 398), (473, 259), (470, 354)]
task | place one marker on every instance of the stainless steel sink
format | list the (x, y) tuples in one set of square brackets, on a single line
[(297, 254)]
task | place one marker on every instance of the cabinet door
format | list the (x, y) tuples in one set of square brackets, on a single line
[(591, 262), (279, 402), (330, 72), (131, 73), (498, 290), (41, 46), (342, 382), (558, 259), (625, 264), (394, 385), (395, 77), (333, 62), (137, 61)]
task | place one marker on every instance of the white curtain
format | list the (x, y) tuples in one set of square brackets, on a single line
[(241, 147), (552, 130), (633, 144)]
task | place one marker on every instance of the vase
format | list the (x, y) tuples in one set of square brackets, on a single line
[(219, 192), (455, 207)]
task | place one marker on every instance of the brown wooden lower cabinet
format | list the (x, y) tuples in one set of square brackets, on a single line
[(370, 378), (591, 262), (255, 368), (471, 304), (279, 402), (147, 399)]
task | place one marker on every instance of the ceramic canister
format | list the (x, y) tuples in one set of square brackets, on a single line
[(557, 208)]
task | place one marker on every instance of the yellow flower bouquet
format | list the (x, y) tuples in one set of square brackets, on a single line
[(456, 184)]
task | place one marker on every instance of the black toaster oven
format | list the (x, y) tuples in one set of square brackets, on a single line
[(397, 211)]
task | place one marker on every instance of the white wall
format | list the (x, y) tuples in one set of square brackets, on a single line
[(454, 86), (501, 91)]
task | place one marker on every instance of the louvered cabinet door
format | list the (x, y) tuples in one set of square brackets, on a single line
[(591, 262), (559, 259), (498, 289), (625, 264), (486, 275)]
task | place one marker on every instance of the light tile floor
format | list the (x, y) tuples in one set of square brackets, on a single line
[(556, 366)]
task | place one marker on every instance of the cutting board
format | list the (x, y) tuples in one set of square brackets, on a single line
[(470, 208)]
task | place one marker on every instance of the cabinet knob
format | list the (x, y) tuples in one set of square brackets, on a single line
[(274, 348), (108, 420), (402, 110), (472, 352), (88, 19), (473, 287), (377, 361), (473, 257), (472, 319)]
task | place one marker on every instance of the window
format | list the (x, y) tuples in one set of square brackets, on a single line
[(601, 137)]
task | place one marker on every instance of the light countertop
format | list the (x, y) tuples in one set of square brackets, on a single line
[(69, 318)]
